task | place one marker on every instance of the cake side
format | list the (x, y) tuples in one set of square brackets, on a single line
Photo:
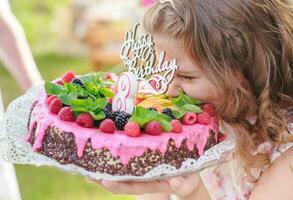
[(61, 147)]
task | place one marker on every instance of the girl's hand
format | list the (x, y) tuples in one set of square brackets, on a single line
[(181, 186)]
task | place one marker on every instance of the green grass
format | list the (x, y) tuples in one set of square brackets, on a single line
[(43, 183), (39, 19)]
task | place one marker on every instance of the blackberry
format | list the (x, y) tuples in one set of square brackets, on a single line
[(121, 120), (97, 123), (151, 108), (108, 114), (77, 81), (113, 115), (108, 107), (168, 112), (108, 111)]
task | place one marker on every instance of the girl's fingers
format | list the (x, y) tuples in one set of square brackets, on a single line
[(185, 185), (181, 186), (159, 186)]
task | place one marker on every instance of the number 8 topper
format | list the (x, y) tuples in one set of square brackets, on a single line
[(126, 93)]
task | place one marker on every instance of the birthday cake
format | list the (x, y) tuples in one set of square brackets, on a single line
[(73, 122)]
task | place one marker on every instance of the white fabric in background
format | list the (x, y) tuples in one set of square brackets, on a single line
[(8, 182), (4, 5)]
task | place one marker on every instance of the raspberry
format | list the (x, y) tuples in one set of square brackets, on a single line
[(77, 81), (177, 126), (121, 120), (189, 118), (108, 126), (50, 99), (85, 120), (153, 128), (68, 76), (132, 129), (209, 108), (55, 106), (168, 112), (59, 82), (110, 76), (204, 118), (66, 114), (152, 108)]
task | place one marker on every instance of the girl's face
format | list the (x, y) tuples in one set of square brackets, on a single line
[(189, 78)]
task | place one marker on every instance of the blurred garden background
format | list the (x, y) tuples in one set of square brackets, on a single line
[(78, 35)]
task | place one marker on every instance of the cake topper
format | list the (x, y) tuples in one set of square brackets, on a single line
[(138, 55)]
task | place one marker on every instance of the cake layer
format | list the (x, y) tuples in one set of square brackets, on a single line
[(61, 146)]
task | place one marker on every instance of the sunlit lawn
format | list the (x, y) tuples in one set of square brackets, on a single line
[(47, 183)]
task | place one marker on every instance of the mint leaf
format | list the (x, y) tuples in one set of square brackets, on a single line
[(52, 88), (67, 98), (192, 108), (89, 78), (79, 105), (81, 92), (69, 88), (179, 114), (101, 103), (142, 116), (183, 99), (107, 92), (97, 115), (185, 109), (165, 117), (166, 125), (92, 88)]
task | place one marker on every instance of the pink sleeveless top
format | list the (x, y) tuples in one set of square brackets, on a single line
[(226, 181)]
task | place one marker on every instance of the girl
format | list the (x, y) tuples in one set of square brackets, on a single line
[(238, 55)]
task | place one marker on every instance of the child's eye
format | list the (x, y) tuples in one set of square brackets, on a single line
[(185, 77)]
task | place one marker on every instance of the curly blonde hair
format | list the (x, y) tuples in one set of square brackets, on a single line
[(253, 38)]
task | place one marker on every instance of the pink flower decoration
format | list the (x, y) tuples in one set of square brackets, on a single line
[(147, 2)]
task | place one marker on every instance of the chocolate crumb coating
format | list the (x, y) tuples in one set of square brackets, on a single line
[(61, 147)]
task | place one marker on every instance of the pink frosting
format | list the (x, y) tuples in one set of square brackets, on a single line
[(119, 144)]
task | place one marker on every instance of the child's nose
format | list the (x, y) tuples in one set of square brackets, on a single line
[(174, 89)]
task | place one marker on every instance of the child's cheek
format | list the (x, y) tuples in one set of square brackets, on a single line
[(202, 92), (192, 91)]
